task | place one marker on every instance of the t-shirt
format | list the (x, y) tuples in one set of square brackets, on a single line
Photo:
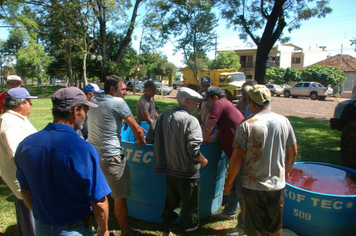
[(63, 173), (264, 138), (228, 118), (105, 123), (145, 104), (13, 129), (2, 99)]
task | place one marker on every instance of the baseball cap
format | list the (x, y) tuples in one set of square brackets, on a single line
[(212, 90), (260, 94), (70, 96), (92, 88), (205, 80), (14, 77), (185, 92), (19, 93)]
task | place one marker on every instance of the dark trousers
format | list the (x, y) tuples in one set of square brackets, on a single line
[(25, 223), (182, 193)]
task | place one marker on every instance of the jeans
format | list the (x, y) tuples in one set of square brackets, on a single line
[(234, 200), (25, 223), (49, 230)]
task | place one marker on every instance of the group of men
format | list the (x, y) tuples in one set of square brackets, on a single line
[(64, 179)]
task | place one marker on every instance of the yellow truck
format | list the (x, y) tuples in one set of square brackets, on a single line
[(225, 78)]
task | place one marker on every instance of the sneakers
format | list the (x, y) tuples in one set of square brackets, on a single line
[(222, 216), (238, 230)]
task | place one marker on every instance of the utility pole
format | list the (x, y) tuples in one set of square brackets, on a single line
[(338, 90)]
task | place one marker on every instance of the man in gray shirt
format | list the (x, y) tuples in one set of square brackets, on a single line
[(145, 107), (104, 128), (177, 137)]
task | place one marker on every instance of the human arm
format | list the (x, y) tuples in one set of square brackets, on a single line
[(101, 214), (147, 117), (235, 164), (291, 156), (136, 129), (27, 198), (208, 128), (203, 161)]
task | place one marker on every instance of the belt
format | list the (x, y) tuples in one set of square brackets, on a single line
[(74, 225)]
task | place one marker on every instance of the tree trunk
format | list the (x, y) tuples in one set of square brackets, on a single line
[(126, 41)]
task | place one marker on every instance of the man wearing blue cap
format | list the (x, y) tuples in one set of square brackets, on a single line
[(203, 110), (90, 91), (14, 127)]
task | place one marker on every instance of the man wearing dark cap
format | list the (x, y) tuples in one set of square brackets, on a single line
[(145, 107), (59, 173), (265, 147), (203, 110), (177, 137), (226, 117), (104, 126), (242, 104), (14, 127), (12, 81)]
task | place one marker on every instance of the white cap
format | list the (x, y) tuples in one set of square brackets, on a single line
[(185, 92), (14, 77)]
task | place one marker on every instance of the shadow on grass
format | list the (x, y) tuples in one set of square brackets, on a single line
[(10, 231)]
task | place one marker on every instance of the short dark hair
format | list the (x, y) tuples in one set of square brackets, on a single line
[(112, 80), (64, 112), (221, 95), (13, 103)]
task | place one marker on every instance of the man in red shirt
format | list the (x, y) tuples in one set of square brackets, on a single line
[(13, 81)]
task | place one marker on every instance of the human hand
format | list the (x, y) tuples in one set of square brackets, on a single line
[(141, 142), (203, 162), (227, 187)]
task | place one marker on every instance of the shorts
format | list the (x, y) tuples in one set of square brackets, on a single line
[(117, 174), (263, 209)]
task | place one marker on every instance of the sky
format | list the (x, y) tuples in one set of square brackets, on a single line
[(334, 31)]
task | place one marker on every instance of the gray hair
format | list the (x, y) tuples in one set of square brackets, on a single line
[(181, 101)]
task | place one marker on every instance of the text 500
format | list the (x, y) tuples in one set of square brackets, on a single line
[(302, 215)]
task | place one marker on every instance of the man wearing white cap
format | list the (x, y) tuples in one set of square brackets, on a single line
[(13, 81), (178, 133), (14, 127), (266, 148)]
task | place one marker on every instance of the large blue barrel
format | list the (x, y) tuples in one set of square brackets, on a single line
[(308, 210), (149, 189)]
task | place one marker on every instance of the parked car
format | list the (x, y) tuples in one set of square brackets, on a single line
[(275, 89), (178, 82), (138, 87), (166, 89), (314, 90)]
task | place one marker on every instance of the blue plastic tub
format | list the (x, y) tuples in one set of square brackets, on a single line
[(149, 189), (308, 210)]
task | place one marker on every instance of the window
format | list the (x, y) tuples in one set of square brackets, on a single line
[(299, 85), (295, 60), (306, 85)]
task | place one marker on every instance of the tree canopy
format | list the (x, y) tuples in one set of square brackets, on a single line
[(225, 60), (264, 21)]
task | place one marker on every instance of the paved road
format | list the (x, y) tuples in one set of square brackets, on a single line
[(299, 107)]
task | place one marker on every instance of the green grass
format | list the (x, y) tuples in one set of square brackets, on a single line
[(316, 142)]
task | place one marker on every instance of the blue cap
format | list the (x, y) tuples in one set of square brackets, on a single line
[(205, 80), (19, 93), (92, 88)]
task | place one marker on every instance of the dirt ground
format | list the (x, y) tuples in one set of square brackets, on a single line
[(299, 107)]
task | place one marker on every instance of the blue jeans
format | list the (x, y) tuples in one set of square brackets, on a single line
[(234, 200), (49, 230)]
